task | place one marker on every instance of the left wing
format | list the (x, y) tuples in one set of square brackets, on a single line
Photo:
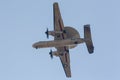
[(65, 60), (58, 23)]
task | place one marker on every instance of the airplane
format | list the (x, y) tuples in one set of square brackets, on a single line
[(65, 38)]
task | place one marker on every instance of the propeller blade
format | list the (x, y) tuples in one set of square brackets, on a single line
[(47, 33), (51, 55)]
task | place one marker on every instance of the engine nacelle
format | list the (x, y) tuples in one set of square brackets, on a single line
[(55, 53), (54, 32)]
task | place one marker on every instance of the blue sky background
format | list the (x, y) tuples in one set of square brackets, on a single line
[(23, 22)]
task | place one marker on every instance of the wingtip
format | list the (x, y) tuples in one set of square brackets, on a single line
[(55, 3)]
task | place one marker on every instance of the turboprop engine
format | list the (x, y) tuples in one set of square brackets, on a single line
[(55, 53)]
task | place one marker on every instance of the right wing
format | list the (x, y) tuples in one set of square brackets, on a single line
[(65, 60)]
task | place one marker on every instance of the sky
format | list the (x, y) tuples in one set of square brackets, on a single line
[(23, 22)]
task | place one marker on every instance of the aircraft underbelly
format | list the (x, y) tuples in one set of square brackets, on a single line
[(58, 43)]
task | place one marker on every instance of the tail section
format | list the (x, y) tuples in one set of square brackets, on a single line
[(88, 38)]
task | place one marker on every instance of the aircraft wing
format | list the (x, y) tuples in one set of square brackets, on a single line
[(58, 23), (65, 60), (63, 51)]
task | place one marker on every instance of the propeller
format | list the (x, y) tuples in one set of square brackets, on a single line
[(47, 33), (51, 55)]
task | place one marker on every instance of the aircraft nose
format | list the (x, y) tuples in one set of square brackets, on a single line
[(34, 45)]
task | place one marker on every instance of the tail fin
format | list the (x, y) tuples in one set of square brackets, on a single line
[(88, 38)]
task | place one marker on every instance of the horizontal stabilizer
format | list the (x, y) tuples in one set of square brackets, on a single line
[(88, 38)]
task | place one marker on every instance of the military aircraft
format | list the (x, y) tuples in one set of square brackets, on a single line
[(65, 38)]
